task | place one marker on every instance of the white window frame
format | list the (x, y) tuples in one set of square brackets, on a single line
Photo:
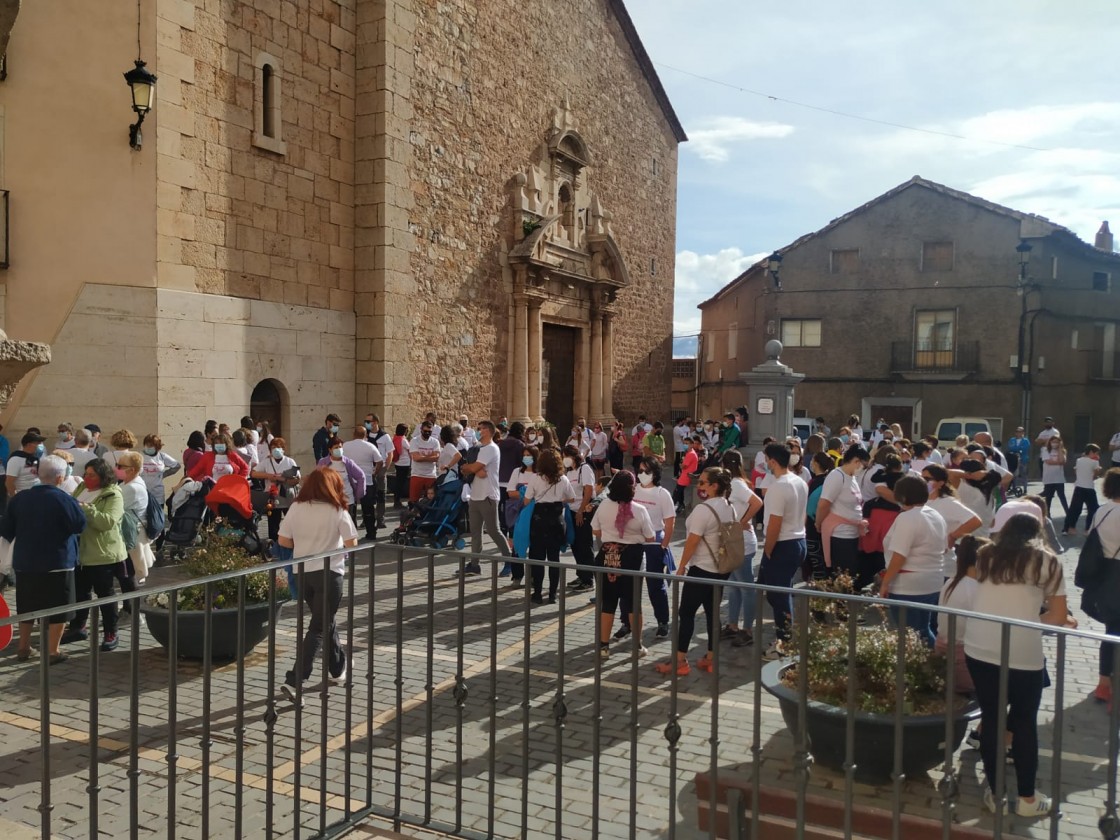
[(801, 322)]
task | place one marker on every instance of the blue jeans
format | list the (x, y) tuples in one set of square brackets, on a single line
[(778, 569), (920, 620), (740, 602)]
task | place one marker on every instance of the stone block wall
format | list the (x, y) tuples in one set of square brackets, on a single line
[(477, 92), (235, 218)]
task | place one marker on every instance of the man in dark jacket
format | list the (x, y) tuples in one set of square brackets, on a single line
[(44, 523), (320, 443)]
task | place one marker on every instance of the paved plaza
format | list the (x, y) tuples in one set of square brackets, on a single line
[(445, 761)]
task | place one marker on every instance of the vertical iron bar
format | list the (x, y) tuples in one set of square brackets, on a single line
[(947, 787), (239, 720), (850, 724), (1000, 795), (348, 653), (205, 743), (93, 788), (172, 706), (713, 738), (801, 756), (492, 775), (1059, 722), (636, 582), (560, 709), (897, 776), (326, 624), (460, 693), (596, 706), (429, 689), (527, 606), (45, 805), (372, 657), (270, 710), (398, 717), (297, 748), (756, 723), (133, 722), (1108, 824), (673, 727)]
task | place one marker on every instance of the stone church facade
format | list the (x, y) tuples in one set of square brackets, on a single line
[(387, 205)]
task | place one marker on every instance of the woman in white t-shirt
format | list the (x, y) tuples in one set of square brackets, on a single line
[(740, 602), (959, 519), (622, 527), (1054, 473), (511, 505), (914, 548), (1016, 577), (698, 564), (135, 494), (582, 479), (658, 503), (319, 522), (1107, 525), (280, 475), (547, 486), (450, 454)]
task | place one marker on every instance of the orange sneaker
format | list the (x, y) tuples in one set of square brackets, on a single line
[(666, 668), (705, 664), (1103, 693)]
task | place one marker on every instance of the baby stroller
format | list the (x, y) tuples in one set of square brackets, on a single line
[(188, 511), (441, 524), (230, 500)]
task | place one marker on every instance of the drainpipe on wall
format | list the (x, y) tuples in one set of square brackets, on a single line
[(8, 11)]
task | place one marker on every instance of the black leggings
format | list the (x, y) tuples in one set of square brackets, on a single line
[(695, 595), (1048, 492), (1024, 695), (546, 535), (1105, 669), (99, 581)]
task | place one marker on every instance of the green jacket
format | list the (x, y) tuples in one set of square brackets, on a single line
[(101, 543), (729, 438)]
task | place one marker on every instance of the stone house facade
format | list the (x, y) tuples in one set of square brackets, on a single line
[(327, 209), (915, 306)]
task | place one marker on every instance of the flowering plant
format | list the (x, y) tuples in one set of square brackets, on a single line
[(217, 554)]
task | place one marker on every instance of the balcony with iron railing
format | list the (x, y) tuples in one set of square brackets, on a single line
[(929, 359), (473, 711)]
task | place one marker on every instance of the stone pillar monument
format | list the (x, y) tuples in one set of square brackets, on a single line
[(770, 397)]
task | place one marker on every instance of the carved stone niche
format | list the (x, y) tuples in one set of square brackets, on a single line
[(560, 229)]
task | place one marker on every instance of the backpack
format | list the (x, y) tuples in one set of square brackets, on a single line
[(154, 519), (1091, 563), (730, 546), (469, 457)]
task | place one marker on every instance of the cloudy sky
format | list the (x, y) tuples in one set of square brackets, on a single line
[(1031, 88)]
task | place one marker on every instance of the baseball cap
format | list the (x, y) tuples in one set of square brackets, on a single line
[(31, 437)]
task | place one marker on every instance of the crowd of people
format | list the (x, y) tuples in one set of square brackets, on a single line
[(899, 518)]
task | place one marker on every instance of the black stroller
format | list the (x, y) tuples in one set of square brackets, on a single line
[(188, 512), (441, 524)]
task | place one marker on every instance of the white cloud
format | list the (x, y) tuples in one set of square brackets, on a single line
[(698, 277), (713, 139)]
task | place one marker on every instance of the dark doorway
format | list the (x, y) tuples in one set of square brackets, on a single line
[(267, 403), (558, 368), (903, 415)]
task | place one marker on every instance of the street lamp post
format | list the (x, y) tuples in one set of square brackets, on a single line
[(774, 265), (143, 85), (1023, 249)]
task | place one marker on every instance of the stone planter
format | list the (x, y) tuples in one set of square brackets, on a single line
[(223, 629), (923, 736)]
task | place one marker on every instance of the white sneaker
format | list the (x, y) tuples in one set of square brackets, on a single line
[(773, 651), (341, 678), (990, 801), (1039, 807), (643, 652), (289, 691), (604, 652)]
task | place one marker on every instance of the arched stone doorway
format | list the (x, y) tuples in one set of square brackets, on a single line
[(269, 402), (566, 271)]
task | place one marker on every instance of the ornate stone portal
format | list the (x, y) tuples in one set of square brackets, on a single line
[(567, 270)]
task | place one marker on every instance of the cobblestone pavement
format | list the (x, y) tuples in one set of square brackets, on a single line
[(397, 733)]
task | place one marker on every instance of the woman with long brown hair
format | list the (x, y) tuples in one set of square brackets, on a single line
[(317, 522)]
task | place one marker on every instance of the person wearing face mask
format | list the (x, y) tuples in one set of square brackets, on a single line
[(514, 501), (424, 451), (320, 443), (135, 493), (653, 445), (221, 460), (550, 490), (839, 516), (598, 454), (158, 465), (65, 436), (402, 465), (70, 481), (617, 447), (796, 466), (959, 520), (251, 430), (282, 473), (384, 443), (784, 547), (658, 503), (353, 479), (582, 479), (99, 449), (690, 468), (23, 465), (729, 434), (246, 450), (430, 419), (372, 463)]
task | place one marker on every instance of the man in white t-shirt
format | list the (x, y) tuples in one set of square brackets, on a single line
[(424, 451), (681, 436), (469, 435), (485, 494), (430, 419), (23, 465), (840, 495), (784, 549), (384, 443), (370, 460)]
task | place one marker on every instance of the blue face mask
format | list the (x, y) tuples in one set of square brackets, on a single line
[(334, 429), (220, 448), (149, 450), (69, 470), (843, 438), (40, 449), (277, 453), (527, 460), (369, 426)]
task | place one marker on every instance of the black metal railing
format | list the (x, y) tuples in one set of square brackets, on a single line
[(472, 711), (935, 357)]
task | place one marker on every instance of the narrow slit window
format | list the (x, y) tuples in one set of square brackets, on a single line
[(268, 81), (268, 100)]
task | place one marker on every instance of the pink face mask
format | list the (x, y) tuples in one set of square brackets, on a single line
[(121, 474)]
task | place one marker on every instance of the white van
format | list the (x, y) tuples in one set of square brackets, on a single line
[(950, 427)]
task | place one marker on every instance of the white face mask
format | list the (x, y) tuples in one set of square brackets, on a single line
[(794, 459), (646, 479), (569, 463)]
